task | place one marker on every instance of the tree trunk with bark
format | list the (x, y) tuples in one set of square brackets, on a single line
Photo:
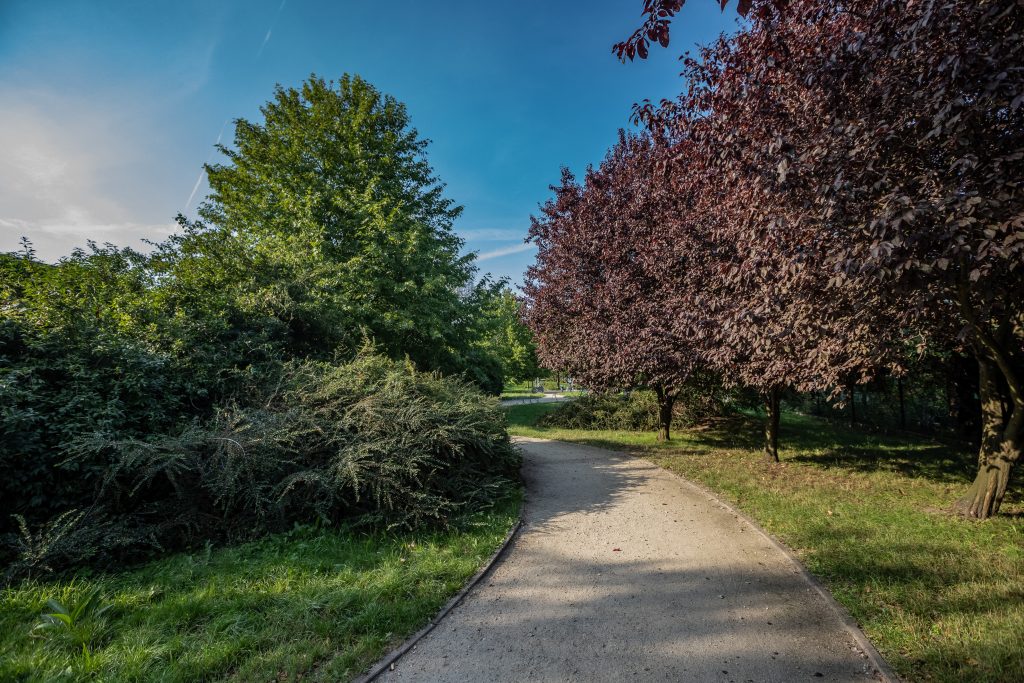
[(771, 426), (1000, 445), (666, 400), (853, 404)]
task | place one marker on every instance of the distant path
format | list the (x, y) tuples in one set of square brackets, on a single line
[(624, 572), (547, 398)]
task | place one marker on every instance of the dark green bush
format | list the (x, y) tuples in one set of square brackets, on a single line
[(373, 439)]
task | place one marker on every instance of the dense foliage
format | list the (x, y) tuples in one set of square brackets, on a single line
[(328, 223), (846, 183), (314, 348), (597, 303), (372, 439)]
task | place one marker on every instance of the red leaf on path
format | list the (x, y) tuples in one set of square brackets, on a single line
[(616, 550)]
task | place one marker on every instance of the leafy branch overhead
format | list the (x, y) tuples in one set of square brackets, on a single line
[(655, 29)]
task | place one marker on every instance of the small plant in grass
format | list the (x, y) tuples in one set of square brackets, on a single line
[(78, 624)]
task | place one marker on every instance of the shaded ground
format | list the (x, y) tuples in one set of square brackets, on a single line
[(625, 572), (869, 514)]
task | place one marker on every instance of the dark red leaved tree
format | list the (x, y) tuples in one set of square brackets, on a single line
[(595, 298), (866, 159)]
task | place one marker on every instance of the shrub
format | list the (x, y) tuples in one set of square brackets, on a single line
[(372, 439)]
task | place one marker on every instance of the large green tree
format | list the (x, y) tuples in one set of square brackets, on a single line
[(327, 222)]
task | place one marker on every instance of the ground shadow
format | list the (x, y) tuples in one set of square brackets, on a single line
[(817, 442)]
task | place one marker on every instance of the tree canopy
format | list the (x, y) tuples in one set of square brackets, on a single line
[(327, 218), (846, 178)]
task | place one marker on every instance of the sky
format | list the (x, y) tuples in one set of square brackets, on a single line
[(109, 108)]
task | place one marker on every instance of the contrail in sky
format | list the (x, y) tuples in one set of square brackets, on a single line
[(202, 173), (266, 39), (504, 251)]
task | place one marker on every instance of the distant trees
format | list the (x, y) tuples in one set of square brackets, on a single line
[(503, 333), (847, 184)]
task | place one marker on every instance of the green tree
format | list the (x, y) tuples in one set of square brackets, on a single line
[(505, 336), (75, 360), (327, 224)]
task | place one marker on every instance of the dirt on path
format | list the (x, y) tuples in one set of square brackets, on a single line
[(625, 572)]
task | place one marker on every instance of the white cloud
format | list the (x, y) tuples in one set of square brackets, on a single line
[(491, 235), (504, 251), (66, 175)]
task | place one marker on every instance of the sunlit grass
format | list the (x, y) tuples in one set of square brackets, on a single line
[(311, 605), (941, 597)]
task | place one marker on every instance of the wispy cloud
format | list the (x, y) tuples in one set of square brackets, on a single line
[(69, 172), (504, 251), (266, 39), (492, 234)]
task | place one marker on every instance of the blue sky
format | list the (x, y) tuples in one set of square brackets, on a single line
[(109, 108)]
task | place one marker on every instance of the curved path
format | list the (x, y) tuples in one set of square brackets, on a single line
[(625, 572)]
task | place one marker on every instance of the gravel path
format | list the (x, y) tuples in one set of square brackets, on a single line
[(624, 572)]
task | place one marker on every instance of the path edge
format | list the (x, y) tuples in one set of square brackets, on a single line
[(883, 671), (384, 664)]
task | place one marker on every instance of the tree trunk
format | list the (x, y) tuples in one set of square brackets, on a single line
[(666, 400), (903, 405), (1000, 447), (853, 404), (771, 425)]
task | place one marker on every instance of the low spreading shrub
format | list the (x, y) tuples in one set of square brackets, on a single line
[(372, 439)]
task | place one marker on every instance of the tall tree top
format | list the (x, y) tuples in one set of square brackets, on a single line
[(327, 154)]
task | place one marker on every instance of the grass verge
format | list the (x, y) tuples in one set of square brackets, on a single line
[(310, 605), (942, 598), (520, 393)]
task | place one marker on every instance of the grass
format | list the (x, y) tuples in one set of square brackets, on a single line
[(311, 605), (520, 390), (941, 597), (520, 393)]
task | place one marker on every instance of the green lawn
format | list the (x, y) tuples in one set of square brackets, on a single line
[(941, 597), (309, 605), (520, 393)]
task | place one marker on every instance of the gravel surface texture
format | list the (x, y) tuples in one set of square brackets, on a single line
[(622, 572)]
